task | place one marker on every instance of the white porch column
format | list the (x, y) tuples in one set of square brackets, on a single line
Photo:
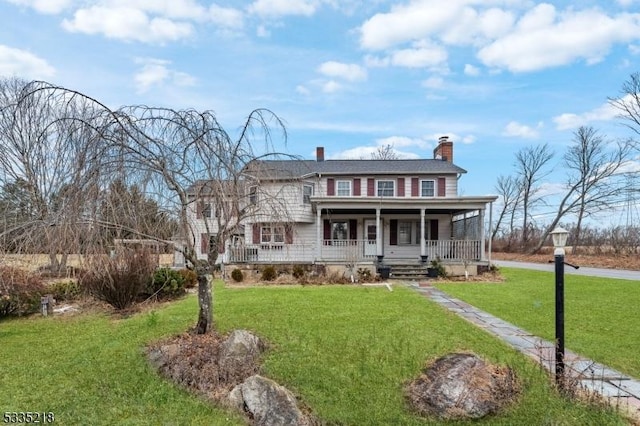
[(378, 233), (318, 233), (490, 231), (482, 251), (423, 243)]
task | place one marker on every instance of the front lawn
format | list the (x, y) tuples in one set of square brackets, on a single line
[(345, 351), (601, 315)]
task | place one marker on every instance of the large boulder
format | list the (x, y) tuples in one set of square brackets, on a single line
[(459, 386), (267, 403), (239, 356)]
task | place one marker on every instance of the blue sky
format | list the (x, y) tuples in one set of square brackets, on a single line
[(494, 75)]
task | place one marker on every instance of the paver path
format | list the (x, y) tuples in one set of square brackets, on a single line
[(620, 389)]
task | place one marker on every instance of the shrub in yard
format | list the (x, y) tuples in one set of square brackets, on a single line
[(65, 290), (190, 278), (119, 280), (364, 275), (166, 282), (20, 291), (269, 273), (237, 275), (298, 271)]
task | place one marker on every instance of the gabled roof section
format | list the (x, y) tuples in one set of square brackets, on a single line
[(290, 169)]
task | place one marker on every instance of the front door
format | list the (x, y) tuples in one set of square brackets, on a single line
[(370, 238)]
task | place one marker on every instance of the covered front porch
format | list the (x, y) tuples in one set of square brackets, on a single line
[(382, 231)]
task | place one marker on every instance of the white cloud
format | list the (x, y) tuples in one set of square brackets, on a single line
[(544, 38), (372, 61), (17, 62), (127, 24), (433, 83), (568, 121), (44, 6), (156, 72), (366, 152), (516, 129), (470, 70), (423, 55), (226, 17), (349, 72), (331, 86), (404, 142), (278, 8), (303, 90)]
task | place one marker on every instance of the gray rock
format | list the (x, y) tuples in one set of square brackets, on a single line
[(459, 386), (239, 355), (163, 355), (268, 403)]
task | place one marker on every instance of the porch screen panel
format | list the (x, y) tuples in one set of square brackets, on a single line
[(371, 187), (353, 229), (356, 187), (331, 187), (400, 187), (433, 228), (414, 187), (393, 232), (442, 187)]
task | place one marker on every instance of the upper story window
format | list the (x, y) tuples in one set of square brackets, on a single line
[(343, 188), (253, 195), (203, 210), (386, 188), (427, 188), (307, 193)]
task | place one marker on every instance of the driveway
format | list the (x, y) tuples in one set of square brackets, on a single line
[(594, 272)]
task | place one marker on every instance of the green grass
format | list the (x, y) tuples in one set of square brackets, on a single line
[(345, 351), (602, 318)]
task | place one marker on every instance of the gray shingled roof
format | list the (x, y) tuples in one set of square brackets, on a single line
[(299, 168)]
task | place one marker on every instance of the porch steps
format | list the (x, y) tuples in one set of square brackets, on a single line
[(413, 271)]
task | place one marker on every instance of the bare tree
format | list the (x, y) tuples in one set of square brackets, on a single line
[(508, 191), (384, 152), (530, 168), (592, 163), (177, 158), (628, 103), (48, 153)]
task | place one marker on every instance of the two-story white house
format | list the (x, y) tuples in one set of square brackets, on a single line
[(369, 212)]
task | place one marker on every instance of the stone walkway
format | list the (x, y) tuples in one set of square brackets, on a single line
[(619, 389)]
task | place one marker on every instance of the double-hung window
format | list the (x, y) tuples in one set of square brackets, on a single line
[(253, 195), (307, 193), (273, 234), (427, 188), (386, 188), (343, 188)]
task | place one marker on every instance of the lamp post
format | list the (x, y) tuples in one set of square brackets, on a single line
[(559, 236)]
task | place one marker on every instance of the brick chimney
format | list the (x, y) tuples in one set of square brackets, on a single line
[(444, 150), (320, 153)]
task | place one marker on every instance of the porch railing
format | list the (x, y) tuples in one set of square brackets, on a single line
[(352, 250)]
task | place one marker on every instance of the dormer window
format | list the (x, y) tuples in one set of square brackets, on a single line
[(386, 188)]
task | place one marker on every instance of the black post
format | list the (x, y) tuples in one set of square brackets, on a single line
[(559, 259)]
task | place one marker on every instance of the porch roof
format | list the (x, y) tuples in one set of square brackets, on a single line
[(402, 205)]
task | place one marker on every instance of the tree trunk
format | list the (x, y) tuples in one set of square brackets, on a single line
[(205, 299)]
